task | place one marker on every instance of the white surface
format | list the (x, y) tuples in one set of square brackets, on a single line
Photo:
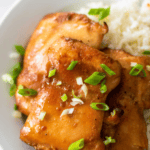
[(4, 6)]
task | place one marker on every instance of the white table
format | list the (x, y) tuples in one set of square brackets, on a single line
[(4, 6)]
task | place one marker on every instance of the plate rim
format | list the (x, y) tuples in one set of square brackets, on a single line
[(6, 14)]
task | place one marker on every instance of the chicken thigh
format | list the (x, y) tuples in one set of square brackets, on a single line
[(132, 96), (52, 27), (57, 131)]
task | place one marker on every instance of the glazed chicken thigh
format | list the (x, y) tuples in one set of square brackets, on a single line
[(57, 132), (58, 40), (52, 27), (132, 96)]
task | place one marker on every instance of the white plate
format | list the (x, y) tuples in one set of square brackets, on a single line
[(17, 28)]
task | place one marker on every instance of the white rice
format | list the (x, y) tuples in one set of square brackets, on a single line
[(129, 29), (129, 25)]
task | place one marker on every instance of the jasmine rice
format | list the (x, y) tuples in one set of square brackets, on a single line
[(129, 25)]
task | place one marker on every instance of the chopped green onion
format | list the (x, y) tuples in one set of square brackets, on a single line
[(79, 81), (20, 49), (64, 97), (105, 106), (76, 101), (103, 88), (133, 64), (77, 145), (75, 95), (12, 90), (113, 113), (102, 12), (15, 71), (139, 68), (144, 73), (15, 107), (27, 92), (95, 78), (42, 115), (52, 73), (72, 65), (109, 140), (148, 67), (8, 78), (20, 87), (146, 53), (84, 89), (11, 78), (107, 69), (67, 112), (95, 11), (59, 83)]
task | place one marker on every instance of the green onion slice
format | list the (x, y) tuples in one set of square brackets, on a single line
[(75, 95), (64, 97), (8, 78), (12, 90), (144, 73), (11, 78), (59, 83), (102, 12), (52, 73), (148, 67), (27, 92), (139, 68), (42, 115), (77, 145), (109, 140), (107, 69), (105, 106), (95, 11), (103, 88), (15, 71), (20, 49), (79, 81), (146, 53), (20, 87), (15, 107), (95, 78), (113, 113), (72, 65)]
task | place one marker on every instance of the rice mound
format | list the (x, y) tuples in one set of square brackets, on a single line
[(129, 30), (129, 25)]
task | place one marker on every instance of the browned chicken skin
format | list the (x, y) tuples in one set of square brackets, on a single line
[(52, 27), (56, 132), (132, 96)]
